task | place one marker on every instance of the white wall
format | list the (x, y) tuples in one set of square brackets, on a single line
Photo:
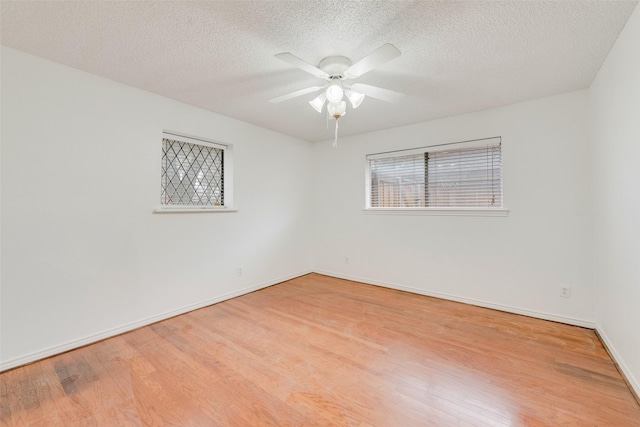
[(615, 118), (516, 263), (82, 253)]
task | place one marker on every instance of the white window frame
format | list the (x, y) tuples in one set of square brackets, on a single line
[(450, 211), (227, 175)]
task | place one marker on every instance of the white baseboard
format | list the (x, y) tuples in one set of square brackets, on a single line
[(509, 309), (70, 345), (631, 379)]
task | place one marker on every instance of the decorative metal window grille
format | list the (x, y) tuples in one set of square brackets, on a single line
[(449, 176), (192, 174)]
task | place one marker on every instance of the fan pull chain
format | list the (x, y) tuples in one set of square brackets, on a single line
[(335, 140)]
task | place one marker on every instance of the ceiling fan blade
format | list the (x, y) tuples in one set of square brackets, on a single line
[(295, 94), (302, 64), (384, 53), (378, 92)]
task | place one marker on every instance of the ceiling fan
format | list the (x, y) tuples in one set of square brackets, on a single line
[(337, 70)]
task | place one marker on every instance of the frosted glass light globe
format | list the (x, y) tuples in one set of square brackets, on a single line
[(337, 109), (318, 102), (334, 94)]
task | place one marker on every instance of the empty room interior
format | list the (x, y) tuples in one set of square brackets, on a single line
[(246, 213)]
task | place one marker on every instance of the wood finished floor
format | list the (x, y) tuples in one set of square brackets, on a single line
[(322, 351)]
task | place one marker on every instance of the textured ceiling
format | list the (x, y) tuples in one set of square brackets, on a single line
[(457, 56)]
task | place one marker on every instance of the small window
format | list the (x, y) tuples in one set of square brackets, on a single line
[(459, 175), (192, 173)]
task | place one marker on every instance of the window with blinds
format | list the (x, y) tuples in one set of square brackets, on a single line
[(192, 172), (460, 175)]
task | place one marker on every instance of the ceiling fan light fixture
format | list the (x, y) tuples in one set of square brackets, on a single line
[(318, 102), (336, 69), (354, 97), (334, 93)]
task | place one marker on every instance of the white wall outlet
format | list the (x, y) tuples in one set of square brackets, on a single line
[(346, 260), (565, 291), (239, 271)]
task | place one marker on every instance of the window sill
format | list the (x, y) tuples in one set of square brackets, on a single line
[(193, 209), (438, 211)]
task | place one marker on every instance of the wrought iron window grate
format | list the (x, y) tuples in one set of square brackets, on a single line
[(192, 174)]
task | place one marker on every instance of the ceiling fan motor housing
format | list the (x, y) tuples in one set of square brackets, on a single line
[(335, 66)]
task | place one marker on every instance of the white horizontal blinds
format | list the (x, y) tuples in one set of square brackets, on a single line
[(434, 148), (470, 177), (467, 174), (192, 173), (398, 182)]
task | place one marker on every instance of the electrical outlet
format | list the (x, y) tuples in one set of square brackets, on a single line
[(565, 291), (346, 260), (239, 271)]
